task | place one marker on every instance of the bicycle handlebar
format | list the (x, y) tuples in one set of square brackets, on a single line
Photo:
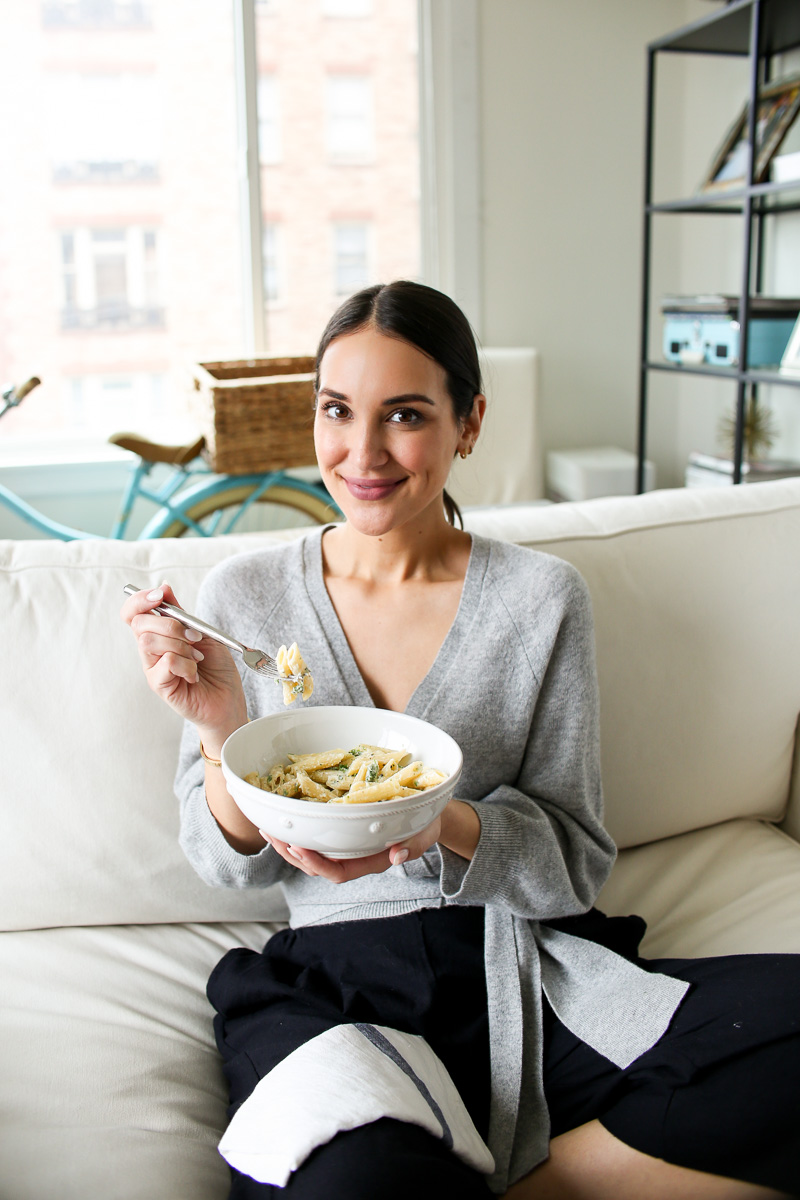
[(15, 395)]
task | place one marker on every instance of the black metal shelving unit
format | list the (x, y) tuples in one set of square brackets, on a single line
[(756, 30)]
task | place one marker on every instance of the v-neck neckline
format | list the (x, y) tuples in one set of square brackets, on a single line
[(426, 690)]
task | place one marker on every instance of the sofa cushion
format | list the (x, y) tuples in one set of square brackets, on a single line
[(729, 889), (89, 822), (111, 1082), (695, 595)]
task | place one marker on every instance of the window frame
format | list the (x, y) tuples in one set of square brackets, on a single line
[(450, 194)]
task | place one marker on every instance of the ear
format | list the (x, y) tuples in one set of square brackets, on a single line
[(472, 426)]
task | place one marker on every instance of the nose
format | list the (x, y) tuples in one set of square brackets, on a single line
[(368, 448)]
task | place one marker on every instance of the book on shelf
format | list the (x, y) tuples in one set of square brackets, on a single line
[(711, 470)]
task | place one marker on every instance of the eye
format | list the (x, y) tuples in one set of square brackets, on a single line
[(406, 416), (334, 410)]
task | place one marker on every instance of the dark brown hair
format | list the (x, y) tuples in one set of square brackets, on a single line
[(428, 320)]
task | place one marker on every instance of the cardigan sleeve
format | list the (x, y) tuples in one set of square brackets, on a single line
[(225, 599), (543, 851)]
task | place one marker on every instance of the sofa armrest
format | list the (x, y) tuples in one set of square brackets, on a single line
[(791, 821)]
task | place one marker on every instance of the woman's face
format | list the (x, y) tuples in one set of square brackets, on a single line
[(385, 431)]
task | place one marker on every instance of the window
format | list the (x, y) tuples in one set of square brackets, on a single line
[(346, 8), (269, 121), (93, 14), (122, 240), (110, 279), (350, 257), (349, 117), (103, 128), (274, 286), (102, 403)]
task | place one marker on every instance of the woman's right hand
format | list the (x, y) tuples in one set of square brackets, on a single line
[(195, 675)]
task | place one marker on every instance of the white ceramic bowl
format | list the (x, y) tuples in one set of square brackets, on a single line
[(337, 830)]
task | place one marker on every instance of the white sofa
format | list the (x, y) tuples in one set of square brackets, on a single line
[(109, 1081)]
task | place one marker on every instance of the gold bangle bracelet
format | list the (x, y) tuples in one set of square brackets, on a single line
[(212, 762)]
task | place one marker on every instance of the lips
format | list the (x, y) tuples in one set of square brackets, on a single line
[(372, 489)]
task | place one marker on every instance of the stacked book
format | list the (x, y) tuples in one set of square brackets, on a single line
[(707, 470)]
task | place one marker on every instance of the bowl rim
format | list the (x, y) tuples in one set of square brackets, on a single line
[(325, 811)]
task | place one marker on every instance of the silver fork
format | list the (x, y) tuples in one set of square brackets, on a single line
[(256, 660)]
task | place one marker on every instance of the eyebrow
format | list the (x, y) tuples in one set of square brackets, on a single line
[(405, 398)]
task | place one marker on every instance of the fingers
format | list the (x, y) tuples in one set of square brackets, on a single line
[(145, 601), (165, 645), (335, 870), (339, 870)]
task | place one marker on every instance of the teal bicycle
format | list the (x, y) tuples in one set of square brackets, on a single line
[(192, 500)]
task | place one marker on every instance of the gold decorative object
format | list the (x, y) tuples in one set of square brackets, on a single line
[(759, 431)]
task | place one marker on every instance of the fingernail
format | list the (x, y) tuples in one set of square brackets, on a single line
[(156, 594), (295, 853), (197, 654), (192, 635), (400, 857)]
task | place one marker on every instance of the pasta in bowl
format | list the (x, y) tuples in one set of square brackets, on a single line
[(342, 829)]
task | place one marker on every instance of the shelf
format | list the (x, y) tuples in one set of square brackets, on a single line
[(768, 375), (732, 30), (728, 31), (767, 198)]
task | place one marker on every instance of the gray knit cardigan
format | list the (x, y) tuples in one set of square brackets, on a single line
[(515, 684)]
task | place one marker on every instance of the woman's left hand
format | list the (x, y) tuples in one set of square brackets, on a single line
[(458, 828), (342, 870)]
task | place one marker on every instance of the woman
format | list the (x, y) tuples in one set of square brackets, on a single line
[(588, 1071)]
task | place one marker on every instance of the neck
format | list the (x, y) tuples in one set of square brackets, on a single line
[(425, 549)]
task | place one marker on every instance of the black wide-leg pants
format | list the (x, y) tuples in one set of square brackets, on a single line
[(720, 1092)]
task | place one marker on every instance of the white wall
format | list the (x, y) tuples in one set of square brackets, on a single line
[(562, 113)]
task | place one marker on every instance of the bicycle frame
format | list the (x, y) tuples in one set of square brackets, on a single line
[(171, 497), (38, 520), (221, 523), (162, 496)]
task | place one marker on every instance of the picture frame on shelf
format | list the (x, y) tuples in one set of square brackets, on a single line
[(790, 362), (778, 105)]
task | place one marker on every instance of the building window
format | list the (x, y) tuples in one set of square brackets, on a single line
[(270, 149), (274, 286), (346, 8), (110, 279), (103, 128), (102, 404), (351, 265), (349, 111), (96, 14)]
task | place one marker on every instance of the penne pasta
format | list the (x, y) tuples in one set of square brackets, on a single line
[(291, 662), (362, 775)]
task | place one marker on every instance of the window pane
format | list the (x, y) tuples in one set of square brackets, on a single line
[(345, 194), (120, 239), (91, 14), (349, 105), (269, 120), (103, 127), (273, 272), (346, 8), (351, 258)]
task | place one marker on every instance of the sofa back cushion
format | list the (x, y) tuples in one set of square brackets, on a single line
[(695, 597), (89, 822)]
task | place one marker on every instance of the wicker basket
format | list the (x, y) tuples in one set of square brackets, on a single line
[(256, 414)]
